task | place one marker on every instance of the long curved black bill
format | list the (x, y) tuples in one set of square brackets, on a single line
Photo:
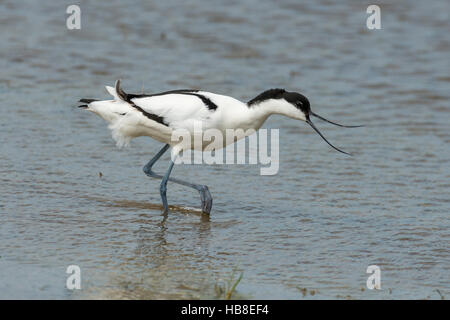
[(336, 124), (320, 134)]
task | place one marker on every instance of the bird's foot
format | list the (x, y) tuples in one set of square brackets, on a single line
[(206, 198)]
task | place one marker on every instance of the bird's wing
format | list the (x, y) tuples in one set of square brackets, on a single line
[(174, 108)]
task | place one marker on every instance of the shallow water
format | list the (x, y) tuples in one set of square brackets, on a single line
[(316, 225)]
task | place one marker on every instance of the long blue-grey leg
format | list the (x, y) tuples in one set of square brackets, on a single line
[(148, 167), (205, 195), (163, 187)]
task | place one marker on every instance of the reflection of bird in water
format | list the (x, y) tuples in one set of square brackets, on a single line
[(159, 115)]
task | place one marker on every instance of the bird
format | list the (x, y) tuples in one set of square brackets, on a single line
[(159, 115)]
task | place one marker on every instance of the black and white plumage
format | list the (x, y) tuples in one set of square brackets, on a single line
[(158, 115)]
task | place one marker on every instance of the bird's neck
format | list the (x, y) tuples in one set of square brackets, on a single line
[(258, 113)]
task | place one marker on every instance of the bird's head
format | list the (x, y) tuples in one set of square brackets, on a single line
[(293, 105), (301, 109)]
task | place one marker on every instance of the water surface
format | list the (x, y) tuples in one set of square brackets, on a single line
[(316, 225)]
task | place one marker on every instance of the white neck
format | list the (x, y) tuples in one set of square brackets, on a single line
[(258, 113)]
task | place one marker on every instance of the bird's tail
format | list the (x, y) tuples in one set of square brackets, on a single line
[(117, 92), (113, 111), (87, 101)]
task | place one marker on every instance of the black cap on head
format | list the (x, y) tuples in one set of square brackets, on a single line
[(298, 100)]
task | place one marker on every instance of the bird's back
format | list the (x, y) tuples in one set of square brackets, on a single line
[(182, 108), (158, 115)]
